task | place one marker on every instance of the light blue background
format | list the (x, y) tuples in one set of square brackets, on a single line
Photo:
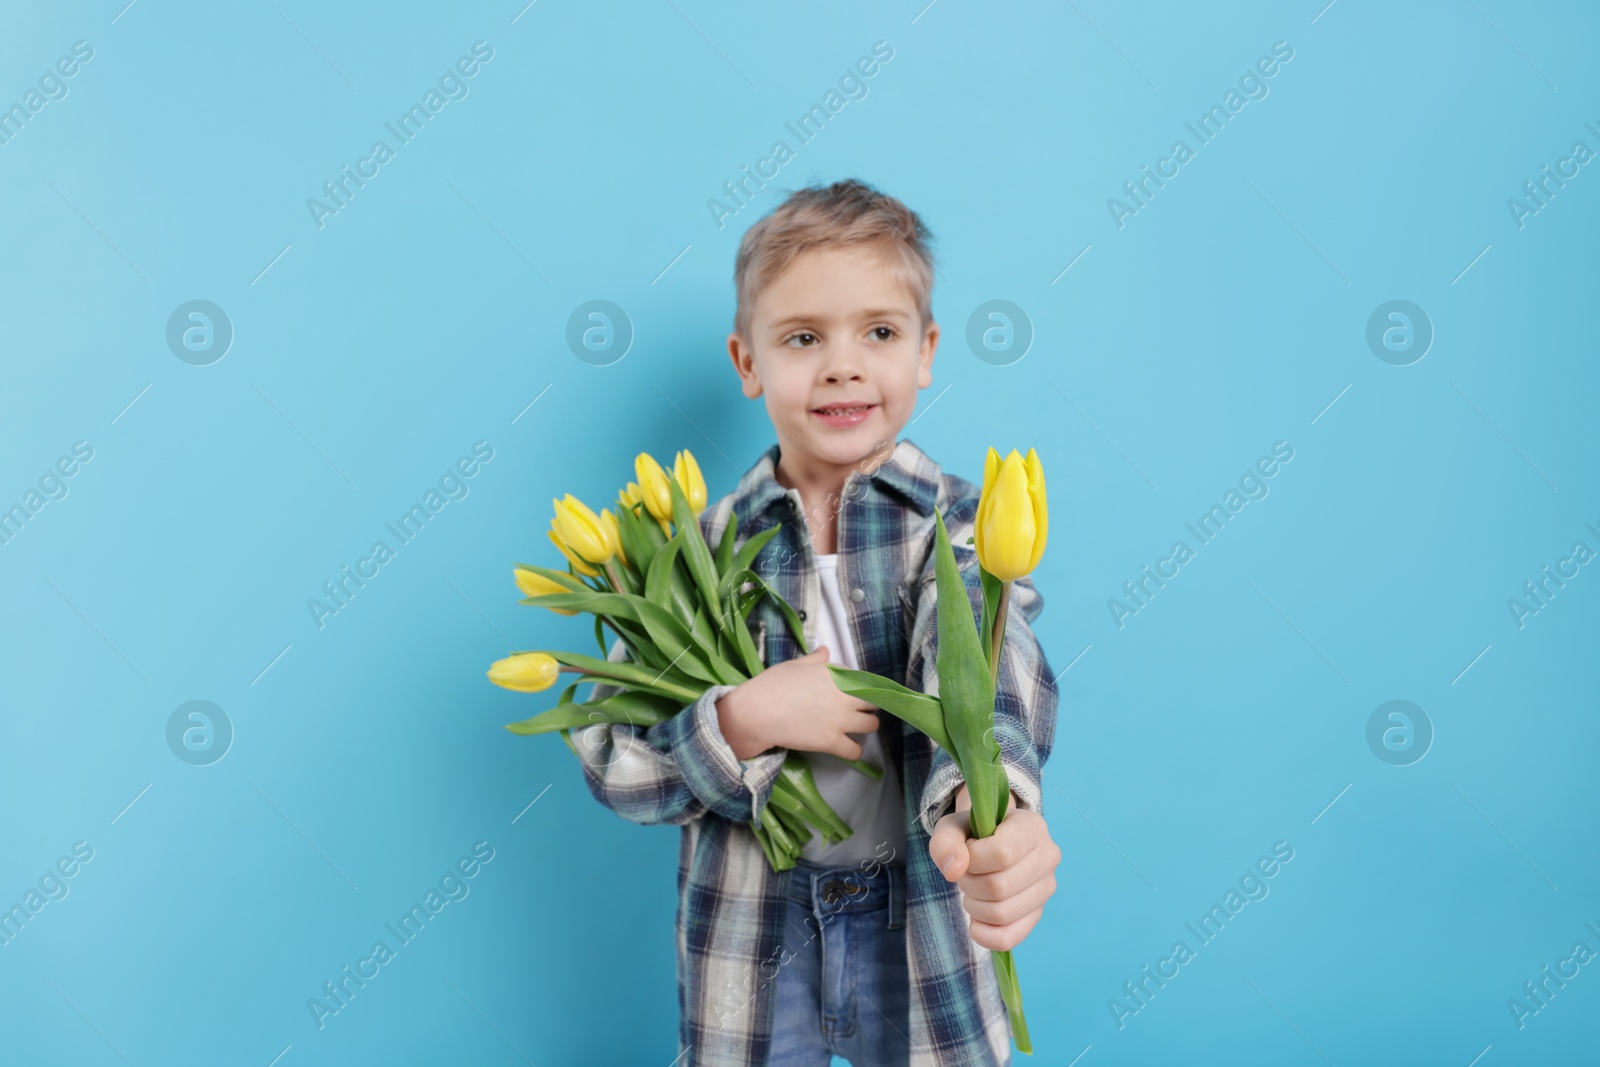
[(372, 352)]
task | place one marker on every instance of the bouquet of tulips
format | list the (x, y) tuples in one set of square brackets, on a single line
[(681, 611), (1009, 537)]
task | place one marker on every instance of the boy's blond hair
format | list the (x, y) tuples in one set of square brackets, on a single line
[(847, 212)]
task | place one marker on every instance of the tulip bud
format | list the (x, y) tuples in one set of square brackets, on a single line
[(654, 487), (580, 529), (1013, 520), (577, 563), (525, 672), (687, 472), (534, 584)]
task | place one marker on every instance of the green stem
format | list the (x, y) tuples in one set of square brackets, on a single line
[(1005, 970), (871, 770), (666, 688), (1000, 612)]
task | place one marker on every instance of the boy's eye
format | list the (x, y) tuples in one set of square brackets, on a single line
[(889, 330), (799, 335)]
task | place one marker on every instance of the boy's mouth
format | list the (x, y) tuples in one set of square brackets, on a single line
[(844, 414)]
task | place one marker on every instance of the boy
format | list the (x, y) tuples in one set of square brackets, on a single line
[(834, 327)]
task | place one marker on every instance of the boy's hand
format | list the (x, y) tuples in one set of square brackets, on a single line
[(1004, 878), (796, 705)]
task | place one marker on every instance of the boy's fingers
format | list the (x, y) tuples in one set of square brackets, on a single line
[(948, 844), (863, 722), (1007, 937), (848, 749), (1008, 846)]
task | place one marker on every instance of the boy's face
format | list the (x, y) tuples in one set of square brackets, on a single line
[(835, 329)]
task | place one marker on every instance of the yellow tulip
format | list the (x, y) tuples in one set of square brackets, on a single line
[(534, 584), (1013, 520), (654, 487), (525, 672), (687, 472), (581, 530), (572, 557), (630, 496)]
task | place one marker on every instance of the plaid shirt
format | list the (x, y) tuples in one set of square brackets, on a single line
[(731, 903)]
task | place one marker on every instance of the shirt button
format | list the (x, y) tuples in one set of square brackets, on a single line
[(802, 614), (858, 595)]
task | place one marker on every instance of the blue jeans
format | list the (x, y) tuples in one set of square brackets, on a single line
[(845, 988)]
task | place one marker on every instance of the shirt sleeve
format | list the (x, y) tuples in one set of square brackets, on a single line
[(1025, 691), (676, 770)]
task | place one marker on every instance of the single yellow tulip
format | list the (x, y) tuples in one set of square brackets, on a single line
[(572, 557), (1013, 520), (525, 672), (687, 472), (581, 530), (653, 486), (533, 584), (630, 496)]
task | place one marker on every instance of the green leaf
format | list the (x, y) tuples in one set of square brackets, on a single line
[(741, 633), (710, 639), (740, 577), (639, 548), (633, 709), (633, 676), (992, 588), (695, 553), (966, 690), (743, 559), (669, 635), (730, 533), (637, 642), (924, 712), (632, 583), (658, 582), (668, 585), (668, 589)]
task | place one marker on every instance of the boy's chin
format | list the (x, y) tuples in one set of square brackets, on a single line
[(861, 446)]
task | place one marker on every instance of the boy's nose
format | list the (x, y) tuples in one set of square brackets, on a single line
[(844, 368)]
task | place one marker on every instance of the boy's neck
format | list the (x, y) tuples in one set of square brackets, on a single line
[(821, 485)]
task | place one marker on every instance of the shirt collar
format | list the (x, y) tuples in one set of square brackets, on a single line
[(908, 472)]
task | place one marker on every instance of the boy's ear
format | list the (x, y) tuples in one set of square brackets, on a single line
[(744, 363), (930, 343)]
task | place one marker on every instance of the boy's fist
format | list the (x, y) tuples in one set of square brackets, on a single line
[(1004, 878), (795, 704)]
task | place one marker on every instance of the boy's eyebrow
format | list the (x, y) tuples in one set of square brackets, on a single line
[(867, 313)]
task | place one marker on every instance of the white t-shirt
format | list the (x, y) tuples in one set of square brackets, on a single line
[(874, 809)]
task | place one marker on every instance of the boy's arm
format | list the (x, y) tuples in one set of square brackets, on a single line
[(1025, 692), (676, 770)]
